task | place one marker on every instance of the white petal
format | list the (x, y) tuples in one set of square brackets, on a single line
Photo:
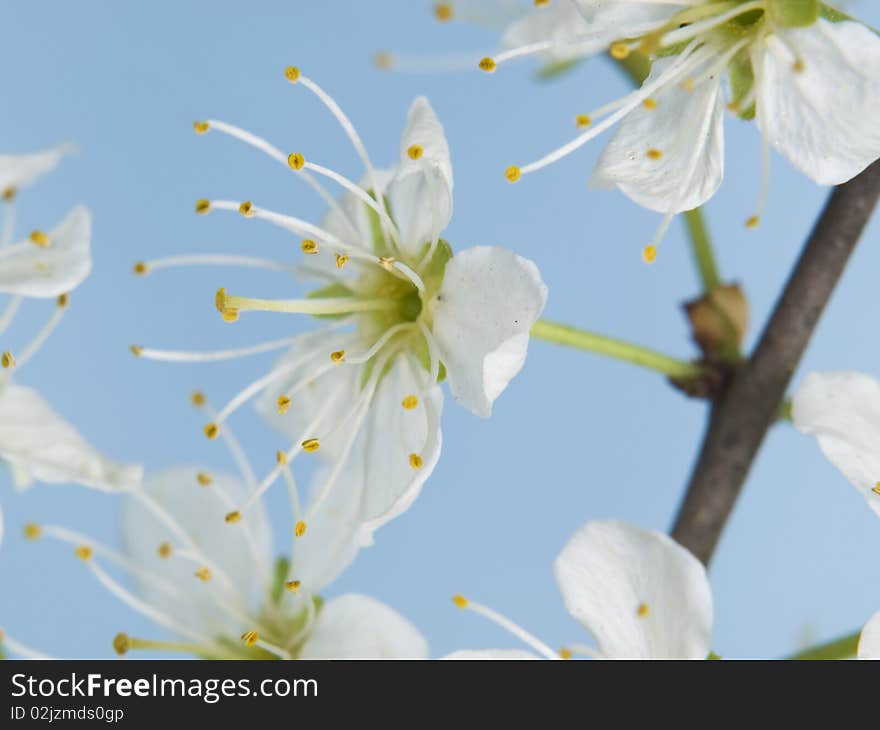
[(487, 304), (625, 18), (561, 24), (869, 641), (492, 654), (20, 171), (199, 513), (609, 570), (421, 191), (359, 627), (34, 271), (823, 118), (39, 445), (686, 128), (842, 410)]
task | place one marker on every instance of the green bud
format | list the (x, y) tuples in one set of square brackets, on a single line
[(793, 13)]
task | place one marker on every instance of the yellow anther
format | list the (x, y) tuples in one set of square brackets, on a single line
[(246, 209), (121, 644), (341, 260), (642, 611), (383, 60), (753, 222), (541, 3), (233, 517), (197, 398), (220, 300), (9, 193), (204, 479), (212, 431), (250, 638), (387, 261), (337, 357), (415, 461), (203, 574), (650, 104), (649, 254), (311, 445), (654, 154), (299, 529), (875, 489), (460, 601), (84, 553), (565, 653), (203, 206), (136, 350), (164, 550), (732, 107), (487, 64), (799, 66), (410, 402), (281, 457), (296, 161), (38, 238), (583, 120), (32, 531), (201, 127), (292, 73), (309, 246), (283, 404), (293, 585), (688, 85), (513, 174), (7, 359), (62, 300), (415, 151), (619, 50), (230, 315), (443, 12), (141, 269)]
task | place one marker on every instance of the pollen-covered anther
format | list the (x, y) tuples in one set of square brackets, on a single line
[(337, 357), (308, 246), (283, 404), (246, 209), (416, 461), (9, 193), (643, 610), (383, 60), (212, 431), (201, 127), (619, 50), (565, 653), (311, 445), (650, 104), (292, 74), (203, 574), (387, 262), (39, 238), (541, 3), (203, 206), (296, 161), (341, 260), (164, 550), (300, 528), (140, 268), (281, 457), (62, 300), (753, 222), (583, 120), (7, 360), (688, 85), (654, 154), (293, 585), (443, 12), (197, 398), (460, 601), (121, 644), (250, 638), (136, 350), (487, 64), (410, 402), (84, 553), (232, 517), (415, 151), (649, 254), (799, 66), (230, 315), (32, 531), (513, 174)]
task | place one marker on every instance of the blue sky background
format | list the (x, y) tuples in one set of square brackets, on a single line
[(574, 438)]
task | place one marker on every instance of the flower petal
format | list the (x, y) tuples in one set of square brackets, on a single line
[(670, 157), (819, 108), (491, 654), (869, 641), (563, 25), (842, 410), (198, 536), (617, 19), (421, 191), (20, 171), (488, 302), (35, 271), (358, 627), (637, 591), (39, 445)]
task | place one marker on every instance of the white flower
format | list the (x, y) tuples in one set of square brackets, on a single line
[(639, 593), (212, 585), (842, 410), (869, 641), (401, 313), (813, 84), (35, 442)]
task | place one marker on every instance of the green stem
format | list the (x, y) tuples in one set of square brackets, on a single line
[(591, 342), (843, 648)]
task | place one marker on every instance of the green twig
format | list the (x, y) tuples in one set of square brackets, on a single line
[(843, 648)]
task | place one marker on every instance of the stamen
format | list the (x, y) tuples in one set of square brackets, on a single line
[(32, 531), (201, 127), (317, 306), (341, 260), (649, 254), (311, 445), (203, 206), (204, 574), (337, 357), (620, 50), (43, 334), (487, 64), (755, 220), (300, 528), (415, 461), (507, 624), (581, 121), (410, 402), (293, 585), (643, 610), (39, 238), (443, 12), (246, 209), (308, 246), (123, 643), (7, 360), (283, 404), (216, 356), (9, 313)]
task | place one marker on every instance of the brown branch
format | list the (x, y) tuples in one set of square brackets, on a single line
[(742, 415)]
